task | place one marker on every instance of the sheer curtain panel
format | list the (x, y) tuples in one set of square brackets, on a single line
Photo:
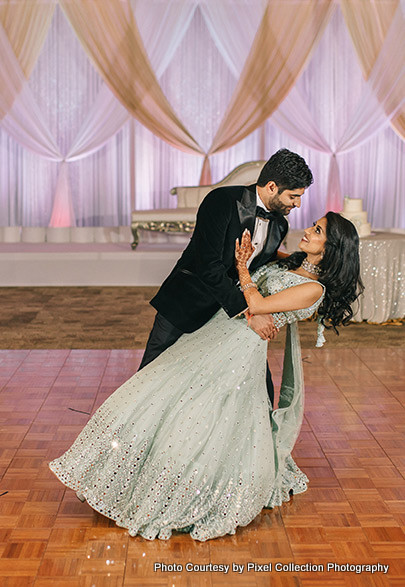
[(107, 105)]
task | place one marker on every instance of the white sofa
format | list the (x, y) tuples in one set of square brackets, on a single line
[(182, 219)]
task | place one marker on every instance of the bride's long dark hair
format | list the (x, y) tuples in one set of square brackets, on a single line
[(340, 268)]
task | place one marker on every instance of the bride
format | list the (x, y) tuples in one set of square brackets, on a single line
[(190, 442)]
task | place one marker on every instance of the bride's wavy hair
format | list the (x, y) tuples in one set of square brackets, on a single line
[(340, 267)]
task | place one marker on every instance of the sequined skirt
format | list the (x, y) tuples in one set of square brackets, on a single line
[(188, 443)]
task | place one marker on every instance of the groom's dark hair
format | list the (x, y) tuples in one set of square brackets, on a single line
[(288, 171)]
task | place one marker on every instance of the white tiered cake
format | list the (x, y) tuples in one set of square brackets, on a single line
[(353, 210)]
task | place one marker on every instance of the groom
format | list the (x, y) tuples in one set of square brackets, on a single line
[(204, 278)]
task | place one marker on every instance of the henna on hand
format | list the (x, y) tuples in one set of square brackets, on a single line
[(244, 250)]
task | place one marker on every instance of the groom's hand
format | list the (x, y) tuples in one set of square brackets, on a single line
[(263, 325)]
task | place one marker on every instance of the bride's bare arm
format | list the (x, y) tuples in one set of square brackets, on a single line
[(293, 298)]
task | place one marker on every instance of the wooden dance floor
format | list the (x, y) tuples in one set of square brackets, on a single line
[(347, 529)]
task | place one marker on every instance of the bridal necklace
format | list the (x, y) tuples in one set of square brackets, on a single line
[(310, 267)]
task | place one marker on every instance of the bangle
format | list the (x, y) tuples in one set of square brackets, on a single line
[(248, 285)]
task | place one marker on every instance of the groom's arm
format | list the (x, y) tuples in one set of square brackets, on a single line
[(213, 221)]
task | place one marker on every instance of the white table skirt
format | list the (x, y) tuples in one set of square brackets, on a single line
[(382, 259)]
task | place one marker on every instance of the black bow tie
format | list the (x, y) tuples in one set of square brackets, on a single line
[(265, 214)]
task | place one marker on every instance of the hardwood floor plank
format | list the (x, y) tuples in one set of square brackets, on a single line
[(351, 447)]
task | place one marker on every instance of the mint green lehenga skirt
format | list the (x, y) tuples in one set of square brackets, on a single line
[(189, 443)]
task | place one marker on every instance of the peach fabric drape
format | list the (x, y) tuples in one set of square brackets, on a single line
[(26, 25), (24, 28), (288, 33), (377, 30), (109, 34)]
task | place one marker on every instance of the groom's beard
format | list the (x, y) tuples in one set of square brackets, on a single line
[(277, 205)]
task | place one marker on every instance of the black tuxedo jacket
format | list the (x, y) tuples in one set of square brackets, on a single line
[(204, 278)]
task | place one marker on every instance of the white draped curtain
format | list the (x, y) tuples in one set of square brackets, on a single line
[(71, 152), (334, 111)]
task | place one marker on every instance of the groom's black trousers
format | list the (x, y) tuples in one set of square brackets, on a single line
[(164, 334)]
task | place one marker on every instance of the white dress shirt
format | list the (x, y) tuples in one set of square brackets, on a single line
[(260, 232)]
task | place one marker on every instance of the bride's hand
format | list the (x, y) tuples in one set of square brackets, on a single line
[(244, 250)]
